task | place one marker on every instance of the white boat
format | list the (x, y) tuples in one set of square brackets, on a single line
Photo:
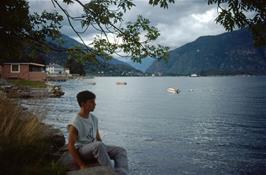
[(173, 90), (193, 75)]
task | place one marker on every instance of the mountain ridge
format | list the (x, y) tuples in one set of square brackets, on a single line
[(104, 67), (225, 54)]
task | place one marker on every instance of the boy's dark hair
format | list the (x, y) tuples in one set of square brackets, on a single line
[(83, 96)]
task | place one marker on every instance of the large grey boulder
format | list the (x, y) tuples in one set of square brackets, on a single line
[(98, 170), (68, 162), (3, 82), (73, 169), (55, 137)]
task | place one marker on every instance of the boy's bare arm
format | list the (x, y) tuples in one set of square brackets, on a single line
[(98, 137), (72, 138)]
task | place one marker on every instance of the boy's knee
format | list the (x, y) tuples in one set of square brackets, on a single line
[(99, 145), (122, 151)]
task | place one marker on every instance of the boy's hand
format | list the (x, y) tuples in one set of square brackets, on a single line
[(83, 166)]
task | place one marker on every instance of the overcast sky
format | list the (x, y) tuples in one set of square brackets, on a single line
[(181, 23)]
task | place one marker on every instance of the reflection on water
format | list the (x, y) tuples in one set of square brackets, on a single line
[(216, 125)]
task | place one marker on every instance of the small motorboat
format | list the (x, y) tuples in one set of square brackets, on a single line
[(92, 83), (173, 90), (193, 75), (121, 83)]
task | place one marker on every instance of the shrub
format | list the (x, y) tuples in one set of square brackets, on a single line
[(28, 83), (23, 149)]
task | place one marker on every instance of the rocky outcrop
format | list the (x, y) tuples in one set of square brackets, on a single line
[(14, 91), (3, 82), (99, 170), (73, 169), (56, 138), (67, 161), (24, 92)]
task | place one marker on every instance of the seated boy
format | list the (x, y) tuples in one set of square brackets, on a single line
[(84, 141)]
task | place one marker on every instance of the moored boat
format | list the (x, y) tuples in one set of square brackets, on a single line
[(193, 75), (173, 90), (121, 83)]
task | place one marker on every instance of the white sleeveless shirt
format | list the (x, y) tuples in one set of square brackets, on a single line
[(86, 127)]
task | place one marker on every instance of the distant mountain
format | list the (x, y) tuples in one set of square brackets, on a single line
[(104, 67), (143, 66), (225, 54), (64, 41)]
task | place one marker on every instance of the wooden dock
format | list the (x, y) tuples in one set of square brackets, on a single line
[(57, 78)]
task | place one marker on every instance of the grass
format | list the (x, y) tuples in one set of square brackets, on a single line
[(28, 83), (23, 149)]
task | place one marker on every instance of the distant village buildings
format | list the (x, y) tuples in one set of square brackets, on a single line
[(33, 71), (56, 69), (56, 72)]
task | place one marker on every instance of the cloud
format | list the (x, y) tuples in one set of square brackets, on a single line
[(206, 17), (188, 28), (182, 22)]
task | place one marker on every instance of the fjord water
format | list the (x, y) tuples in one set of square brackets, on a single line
[(216, 125)]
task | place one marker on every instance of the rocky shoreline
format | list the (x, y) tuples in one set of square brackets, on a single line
[(14, 91)]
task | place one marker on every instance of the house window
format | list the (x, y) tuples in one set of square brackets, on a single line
[(15, 68), (36, 69)]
